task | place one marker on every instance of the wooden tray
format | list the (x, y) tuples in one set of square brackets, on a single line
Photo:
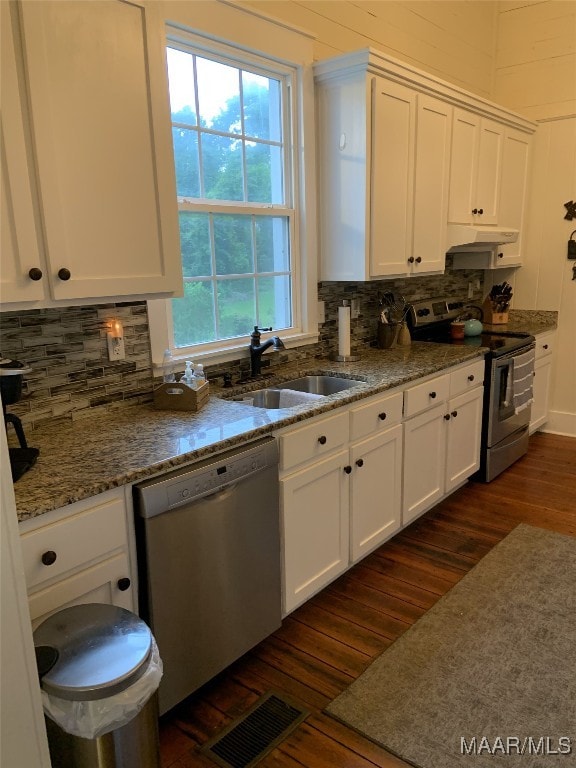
[(178, 396)]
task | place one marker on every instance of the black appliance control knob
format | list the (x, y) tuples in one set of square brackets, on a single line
[(49, 557), (322, 439), (64, 274), (35, 274), (124, 584), (423, 312)]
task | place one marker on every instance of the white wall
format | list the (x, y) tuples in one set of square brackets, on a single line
[(535, 74), (453, 39)]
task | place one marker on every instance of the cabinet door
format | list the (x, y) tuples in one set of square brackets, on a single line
[(392, 188), (19, 241), (464, 155), (463, 438), (424, 462), (476, 159), (375, 491), (432, 169), (99, 109), (489, 172), (315, 519), (513, 194), (103, 583), (541, 393)]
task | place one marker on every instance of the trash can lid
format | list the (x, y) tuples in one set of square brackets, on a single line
[(102, 649)]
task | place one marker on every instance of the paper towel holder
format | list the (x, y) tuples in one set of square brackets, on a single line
[(340, 355)]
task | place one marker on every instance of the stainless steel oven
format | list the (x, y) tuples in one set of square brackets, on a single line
[(508, 380)]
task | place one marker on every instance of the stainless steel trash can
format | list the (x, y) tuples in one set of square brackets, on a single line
[(94, 662)]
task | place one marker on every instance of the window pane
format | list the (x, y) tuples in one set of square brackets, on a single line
[(186, 162), (272, 248), (262, 113), (264, 173), (222, 165), (233, 244), (193, 315), (236, 307), (182, 93), (195, 244), (274, 302), (218, 96)]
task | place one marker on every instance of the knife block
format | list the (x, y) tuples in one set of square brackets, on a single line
[(491, 316)]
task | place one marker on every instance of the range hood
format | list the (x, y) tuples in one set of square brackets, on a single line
[(467, 238)]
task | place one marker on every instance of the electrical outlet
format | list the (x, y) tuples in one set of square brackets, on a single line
[(321, 313), (354, 309), (116, 349)]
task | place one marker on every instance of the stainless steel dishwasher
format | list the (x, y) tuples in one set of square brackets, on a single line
[(208, 545)]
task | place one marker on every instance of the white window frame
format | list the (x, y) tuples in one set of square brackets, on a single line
[(300, 207)]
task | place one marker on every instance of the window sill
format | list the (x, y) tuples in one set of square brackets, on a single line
[(236, 352)]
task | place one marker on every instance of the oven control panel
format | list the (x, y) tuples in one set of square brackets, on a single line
[(428, 311)]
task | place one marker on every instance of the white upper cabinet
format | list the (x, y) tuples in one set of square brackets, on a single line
[(384, 162), (513, 192), (476, 164), (99, 130), (402, 154)]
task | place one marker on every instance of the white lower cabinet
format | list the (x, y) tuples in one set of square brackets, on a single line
[(375, 491), (442, 443), (337, 509), (315, 514), (78, 554), (542, 379)]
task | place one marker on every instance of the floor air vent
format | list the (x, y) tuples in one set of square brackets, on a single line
[(252, 736)]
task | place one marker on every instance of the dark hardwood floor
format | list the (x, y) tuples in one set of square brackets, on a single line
[(324, 645)]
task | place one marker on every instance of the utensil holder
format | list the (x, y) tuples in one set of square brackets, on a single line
[(178, 396), (387, 335)]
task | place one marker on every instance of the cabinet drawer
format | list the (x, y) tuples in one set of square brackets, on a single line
[(377, 415), (312, 441), (544, 344), (426, 395), (466, 378), (75, 541)]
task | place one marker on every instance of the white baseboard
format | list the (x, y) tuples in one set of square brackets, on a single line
[(560, 423)]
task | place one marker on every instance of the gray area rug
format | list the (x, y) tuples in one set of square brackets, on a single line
[(487, 677)]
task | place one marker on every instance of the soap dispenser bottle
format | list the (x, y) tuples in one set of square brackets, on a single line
[(188, 377)]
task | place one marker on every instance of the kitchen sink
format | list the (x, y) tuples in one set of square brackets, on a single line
[(270, 397), (319, 385)]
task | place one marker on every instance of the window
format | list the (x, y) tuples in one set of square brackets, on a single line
[(233, 130)]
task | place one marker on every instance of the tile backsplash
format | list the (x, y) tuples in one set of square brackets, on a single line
[(67, 350)]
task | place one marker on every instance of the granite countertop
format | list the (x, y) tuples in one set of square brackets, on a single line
[(84, 457)]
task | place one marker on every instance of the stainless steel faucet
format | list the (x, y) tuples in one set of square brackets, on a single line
[(256, 349)]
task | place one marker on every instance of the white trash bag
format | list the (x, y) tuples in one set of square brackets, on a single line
[(90, 719)]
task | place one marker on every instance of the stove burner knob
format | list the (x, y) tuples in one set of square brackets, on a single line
[(423, 312)]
